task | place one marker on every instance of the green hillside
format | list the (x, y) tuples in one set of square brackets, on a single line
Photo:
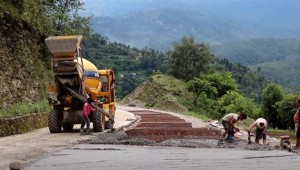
[(263, 35), (162, 92), (275, 59), (133, 66), (167, 93)]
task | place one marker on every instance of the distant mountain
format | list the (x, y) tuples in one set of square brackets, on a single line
[(262, 34), (161, 27), (157, 24)]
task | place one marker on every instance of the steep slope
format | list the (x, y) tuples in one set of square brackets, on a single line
[(160, 92), (22, 65)]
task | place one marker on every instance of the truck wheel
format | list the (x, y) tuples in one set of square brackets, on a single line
[(98, 124), (108, 125), (68, 126), (54, 124)]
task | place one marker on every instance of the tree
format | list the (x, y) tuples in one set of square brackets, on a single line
[(272, 94), (214, 85), (222, 81), (28, 14), (65, 18), (189, 59), (286, 109), (235, 102), (198, 86)]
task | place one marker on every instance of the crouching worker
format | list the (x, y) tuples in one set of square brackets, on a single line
[(87, 109), (261, 125), (228, 122)]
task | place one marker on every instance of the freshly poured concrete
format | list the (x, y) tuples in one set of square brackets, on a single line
[(115, 157)]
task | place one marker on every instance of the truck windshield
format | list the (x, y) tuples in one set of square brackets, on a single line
[(104, 82), (91, 74)]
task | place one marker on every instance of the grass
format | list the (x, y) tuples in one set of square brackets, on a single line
[(20, 109), (245, 123), (278, 132), (197, 115)]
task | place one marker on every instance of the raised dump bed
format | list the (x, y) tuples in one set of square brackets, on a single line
[(66, 62), (64, 46)]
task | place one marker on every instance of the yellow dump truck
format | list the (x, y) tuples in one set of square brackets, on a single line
[(76, 79)]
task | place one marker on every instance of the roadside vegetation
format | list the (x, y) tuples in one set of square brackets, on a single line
[(276, 133), (20, 109), (210, 90)]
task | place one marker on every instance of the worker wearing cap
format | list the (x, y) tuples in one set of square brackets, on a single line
[(261, 125)]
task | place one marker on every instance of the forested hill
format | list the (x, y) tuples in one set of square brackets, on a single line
[(277, 59), (133, 66), (152, 23), (159, 28)]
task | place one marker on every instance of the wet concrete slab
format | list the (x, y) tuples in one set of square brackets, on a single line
[(115, 157)]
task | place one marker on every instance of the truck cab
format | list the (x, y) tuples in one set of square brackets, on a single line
[(107, 93)]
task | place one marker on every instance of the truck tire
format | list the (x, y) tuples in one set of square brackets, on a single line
[(54, 124), (108, 125), (68, 126), (98, 124)]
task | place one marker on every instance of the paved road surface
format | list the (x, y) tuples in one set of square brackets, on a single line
[(115, 157)]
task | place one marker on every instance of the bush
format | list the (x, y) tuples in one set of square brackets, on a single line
[(24, 108)]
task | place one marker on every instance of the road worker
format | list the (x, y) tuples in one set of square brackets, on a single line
[(261, 125), (296, 121), (228, 122)]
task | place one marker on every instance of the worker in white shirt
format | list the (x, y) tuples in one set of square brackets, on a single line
[(228, 122), (261, 125)]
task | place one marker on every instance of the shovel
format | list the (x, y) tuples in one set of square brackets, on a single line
[(249, 137)]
